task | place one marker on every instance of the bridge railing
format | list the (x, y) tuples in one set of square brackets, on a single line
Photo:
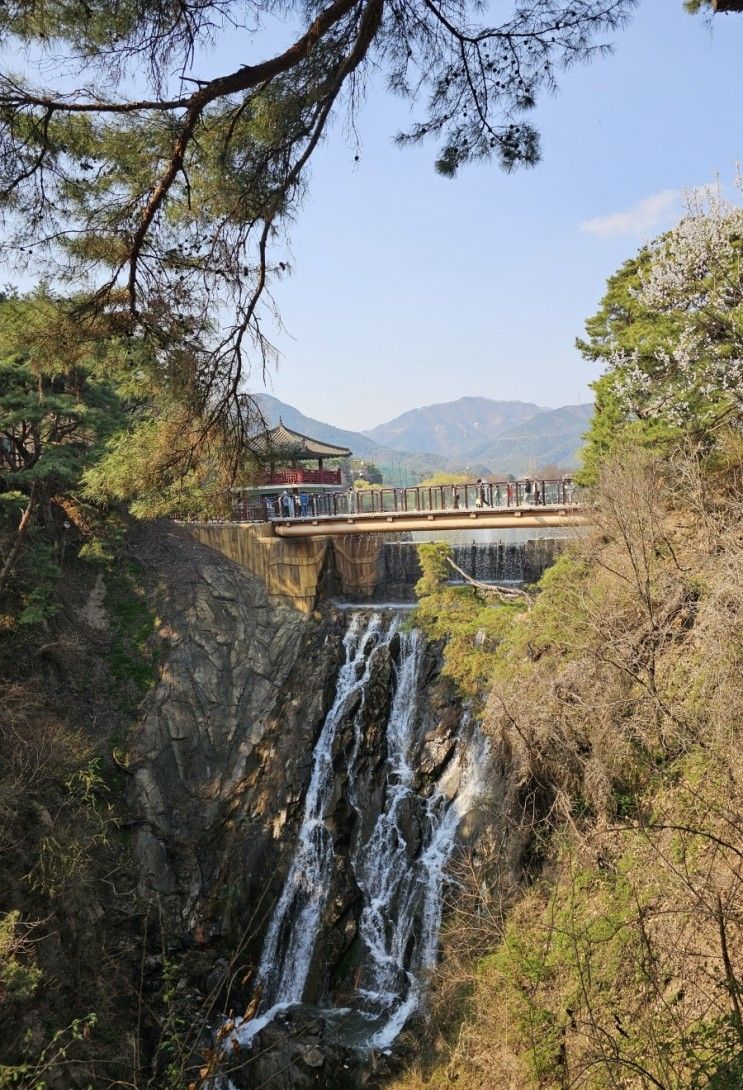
[(414, 499)]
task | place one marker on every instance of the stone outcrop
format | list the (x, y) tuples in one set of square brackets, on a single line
[(219, 761)]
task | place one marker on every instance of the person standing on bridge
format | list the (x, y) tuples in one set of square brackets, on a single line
[(304, 504), (455, 498), (498, 496), (537, 494), (286, 505)]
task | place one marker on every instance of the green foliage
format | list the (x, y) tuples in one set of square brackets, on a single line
[(39, 571), (58, 407), (435, 569), (622, 327), (472, 628), (575, 956), (132, 657), (162, 466), (42, 1071), (19, 975), (669, 331), (442, 478)]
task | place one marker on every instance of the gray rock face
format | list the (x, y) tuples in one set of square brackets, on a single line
[(220, 759), (298, 1051)]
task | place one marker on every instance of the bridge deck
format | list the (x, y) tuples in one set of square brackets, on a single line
[(480, 518)]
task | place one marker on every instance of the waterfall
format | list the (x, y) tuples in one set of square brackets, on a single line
[(492, 562), (403, 900), (400, 882), (283, 972), (510, 561)]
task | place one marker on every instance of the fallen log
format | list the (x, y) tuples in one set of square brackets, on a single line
[(505, 594)]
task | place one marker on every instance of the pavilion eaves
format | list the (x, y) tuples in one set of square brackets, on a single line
[(283, 442)]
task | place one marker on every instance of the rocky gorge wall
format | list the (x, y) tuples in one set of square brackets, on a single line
[(220, 756)]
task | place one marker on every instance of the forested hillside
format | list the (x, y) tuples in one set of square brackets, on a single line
[(394, 462), (472, 436), (506, 436)]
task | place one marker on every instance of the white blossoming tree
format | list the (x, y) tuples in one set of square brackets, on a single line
[(670, 330)]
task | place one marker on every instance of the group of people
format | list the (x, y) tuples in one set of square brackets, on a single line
[(293, 504), (514, 493), (527, 493)]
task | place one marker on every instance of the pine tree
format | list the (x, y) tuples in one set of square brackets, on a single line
[(57, 409), (166, 205)]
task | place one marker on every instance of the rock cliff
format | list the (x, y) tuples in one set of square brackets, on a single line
[(220, 758)]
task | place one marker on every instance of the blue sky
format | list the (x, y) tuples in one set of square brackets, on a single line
[(408, 288)]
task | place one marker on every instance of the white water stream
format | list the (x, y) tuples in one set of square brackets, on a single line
[(401, 888)]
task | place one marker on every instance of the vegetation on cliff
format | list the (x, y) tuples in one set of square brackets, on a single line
[(614, 704), (597, 945)]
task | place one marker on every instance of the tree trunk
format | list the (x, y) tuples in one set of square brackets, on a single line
[(23, 526)]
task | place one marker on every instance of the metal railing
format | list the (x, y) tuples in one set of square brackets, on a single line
[(369, 501)]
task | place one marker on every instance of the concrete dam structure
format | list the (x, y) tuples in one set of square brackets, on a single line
[(303, 572)]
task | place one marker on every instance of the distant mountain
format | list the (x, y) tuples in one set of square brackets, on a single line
[(552, 436), (487, 437), (453, 429), (401, 467)]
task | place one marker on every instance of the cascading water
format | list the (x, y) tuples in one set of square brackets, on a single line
[(491, 562), (485, 560), (399, 875), (285, 964)]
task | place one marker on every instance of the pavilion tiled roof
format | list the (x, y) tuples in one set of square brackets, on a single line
[(283, 441)]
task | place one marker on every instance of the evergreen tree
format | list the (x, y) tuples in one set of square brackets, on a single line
[(57, 409), (166, 204)]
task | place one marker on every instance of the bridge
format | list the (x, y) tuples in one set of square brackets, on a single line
[(525, 517), (336, 544), (471, 506)]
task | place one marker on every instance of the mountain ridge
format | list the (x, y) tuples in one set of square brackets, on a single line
[(449, 427), (527, 436)]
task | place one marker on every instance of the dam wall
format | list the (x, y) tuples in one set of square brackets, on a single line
[(304, 571)]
